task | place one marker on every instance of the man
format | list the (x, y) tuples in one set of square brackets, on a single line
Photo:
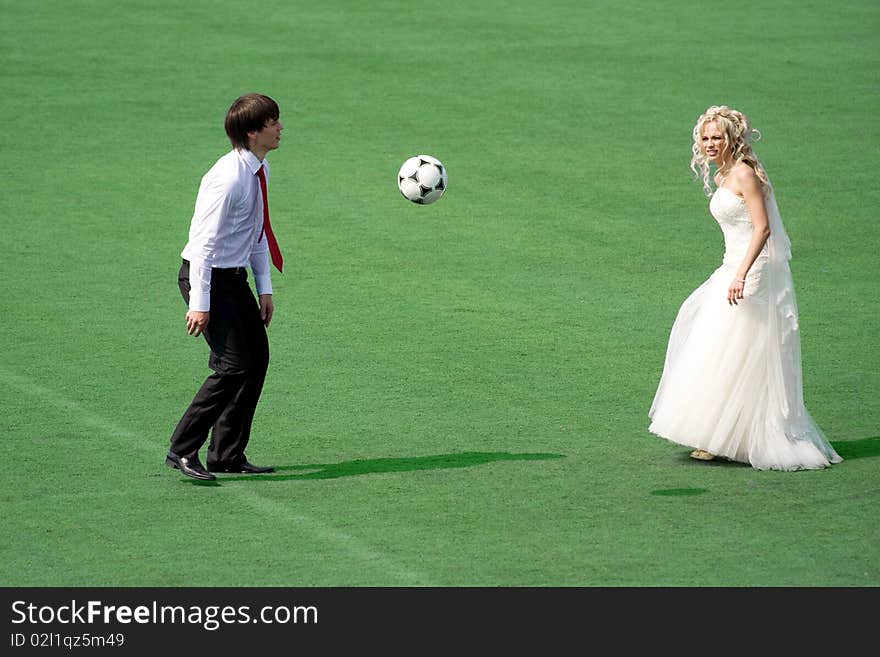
[(230, 230)]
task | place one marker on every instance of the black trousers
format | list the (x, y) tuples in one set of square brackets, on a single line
[(225, 404)]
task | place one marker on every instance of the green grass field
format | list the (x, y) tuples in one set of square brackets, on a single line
[(458, 393)]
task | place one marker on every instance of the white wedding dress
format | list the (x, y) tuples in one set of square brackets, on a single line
[(731, 383)]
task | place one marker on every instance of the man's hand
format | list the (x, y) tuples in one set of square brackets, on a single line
[(267, 308), (196, 322)]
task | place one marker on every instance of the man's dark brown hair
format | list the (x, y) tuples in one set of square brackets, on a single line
[(249, 113)]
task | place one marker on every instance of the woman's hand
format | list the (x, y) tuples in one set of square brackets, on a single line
[(735, 291)]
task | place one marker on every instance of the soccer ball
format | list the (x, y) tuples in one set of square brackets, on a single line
[(422, 179)]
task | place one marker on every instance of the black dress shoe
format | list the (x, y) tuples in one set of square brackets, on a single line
[(244, 468), (191, 467)]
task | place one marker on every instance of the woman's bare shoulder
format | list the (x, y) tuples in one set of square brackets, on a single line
[(743, 178)]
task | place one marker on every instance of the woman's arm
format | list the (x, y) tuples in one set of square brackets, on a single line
[(746, 184)]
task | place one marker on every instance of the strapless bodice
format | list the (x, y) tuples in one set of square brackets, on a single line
[(732, 215)]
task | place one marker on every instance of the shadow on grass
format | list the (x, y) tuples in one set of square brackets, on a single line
[(679, 492), (857, 449), (203, 483), (310, 471)]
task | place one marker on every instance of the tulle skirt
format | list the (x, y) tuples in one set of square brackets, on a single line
[(725, 385)]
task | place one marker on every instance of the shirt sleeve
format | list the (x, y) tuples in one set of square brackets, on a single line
[(199, 285), (260, 267), (212, 209)]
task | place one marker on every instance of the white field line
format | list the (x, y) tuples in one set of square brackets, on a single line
[(272, 509)]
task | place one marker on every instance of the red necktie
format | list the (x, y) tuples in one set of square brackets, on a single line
[(274, 251)]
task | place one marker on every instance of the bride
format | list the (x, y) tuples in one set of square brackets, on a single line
[(731, 385)]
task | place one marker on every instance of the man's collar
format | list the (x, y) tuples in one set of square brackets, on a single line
[(253, 164)]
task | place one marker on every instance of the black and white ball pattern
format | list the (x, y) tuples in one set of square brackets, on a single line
[(422, 179)]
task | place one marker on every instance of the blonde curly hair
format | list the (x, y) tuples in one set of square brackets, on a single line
[(739, 136)]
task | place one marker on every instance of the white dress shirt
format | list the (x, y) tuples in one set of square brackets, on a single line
[(227, 226)]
